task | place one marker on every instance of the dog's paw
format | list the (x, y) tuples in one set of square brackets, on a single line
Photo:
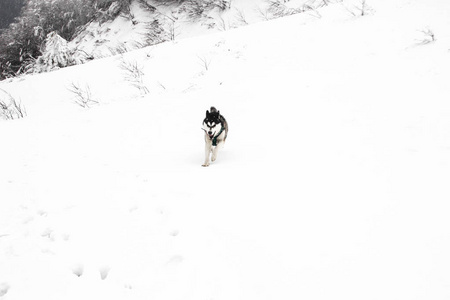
[(213, 158), (205, 165)]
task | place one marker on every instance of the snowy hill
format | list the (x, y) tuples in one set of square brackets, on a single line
[(333, 183), (150, 22)]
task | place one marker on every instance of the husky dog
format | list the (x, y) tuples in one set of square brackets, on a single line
[(216, 131)]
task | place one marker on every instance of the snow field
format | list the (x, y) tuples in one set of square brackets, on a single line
[(332, 183)]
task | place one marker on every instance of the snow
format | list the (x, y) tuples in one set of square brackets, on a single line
[(333, 183)]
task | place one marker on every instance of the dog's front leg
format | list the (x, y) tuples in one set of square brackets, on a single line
[(208, 145), (216, 151)]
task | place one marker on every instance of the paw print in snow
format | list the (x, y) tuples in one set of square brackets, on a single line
[(104, 271), (4, 288), (78, 270)]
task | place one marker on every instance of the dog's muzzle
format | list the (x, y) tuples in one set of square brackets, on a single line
[(209, 133)]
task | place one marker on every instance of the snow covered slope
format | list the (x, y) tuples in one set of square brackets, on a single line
[(333, 183), (151, 22)]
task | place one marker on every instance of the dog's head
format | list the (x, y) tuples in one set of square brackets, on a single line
[(212, 123)]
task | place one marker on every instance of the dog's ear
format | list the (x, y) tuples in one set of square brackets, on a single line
[(207, 113)]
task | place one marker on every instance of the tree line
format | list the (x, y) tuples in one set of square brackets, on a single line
[(21, 41)]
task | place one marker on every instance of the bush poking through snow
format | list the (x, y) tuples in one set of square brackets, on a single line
[(361, 9), (196, 8), (240, 17), (427, 37), (134, 74), (263, 13), (222, 24), (161, 28), (193, 8), (156, 32), (56, 54), (278, 8), (120, 48), (83, 96), (10, 108), (204, 62)]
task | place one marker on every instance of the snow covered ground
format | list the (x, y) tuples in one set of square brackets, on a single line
[(333, 183)]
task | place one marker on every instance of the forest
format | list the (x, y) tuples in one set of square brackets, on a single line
[(21, 42)]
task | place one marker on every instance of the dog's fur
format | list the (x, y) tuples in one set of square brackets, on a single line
[(216, 132)]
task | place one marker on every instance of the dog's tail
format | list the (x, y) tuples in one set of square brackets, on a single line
[(213, 109)]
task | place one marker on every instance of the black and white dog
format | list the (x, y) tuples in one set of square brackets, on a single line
[(216, 131)]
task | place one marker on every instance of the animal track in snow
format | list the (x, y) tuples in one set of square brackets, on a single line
[(104, 271), (78, 270), (4, 287), (65, 236), (27, 220), (133, 208), (42, 213), (174, 233), (175, 260), (48, 233)]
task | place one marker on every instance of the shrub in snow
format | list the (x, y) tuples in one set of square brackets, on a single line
[(204, 62), (360, 9), (278, 9), (282, 8), (114, 9), (120, 48), (134, 74), (223, 4), (196, 8), (240, 17), (83, 96), (427, 37), (55, 55), (158, 32), (10, 108)]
